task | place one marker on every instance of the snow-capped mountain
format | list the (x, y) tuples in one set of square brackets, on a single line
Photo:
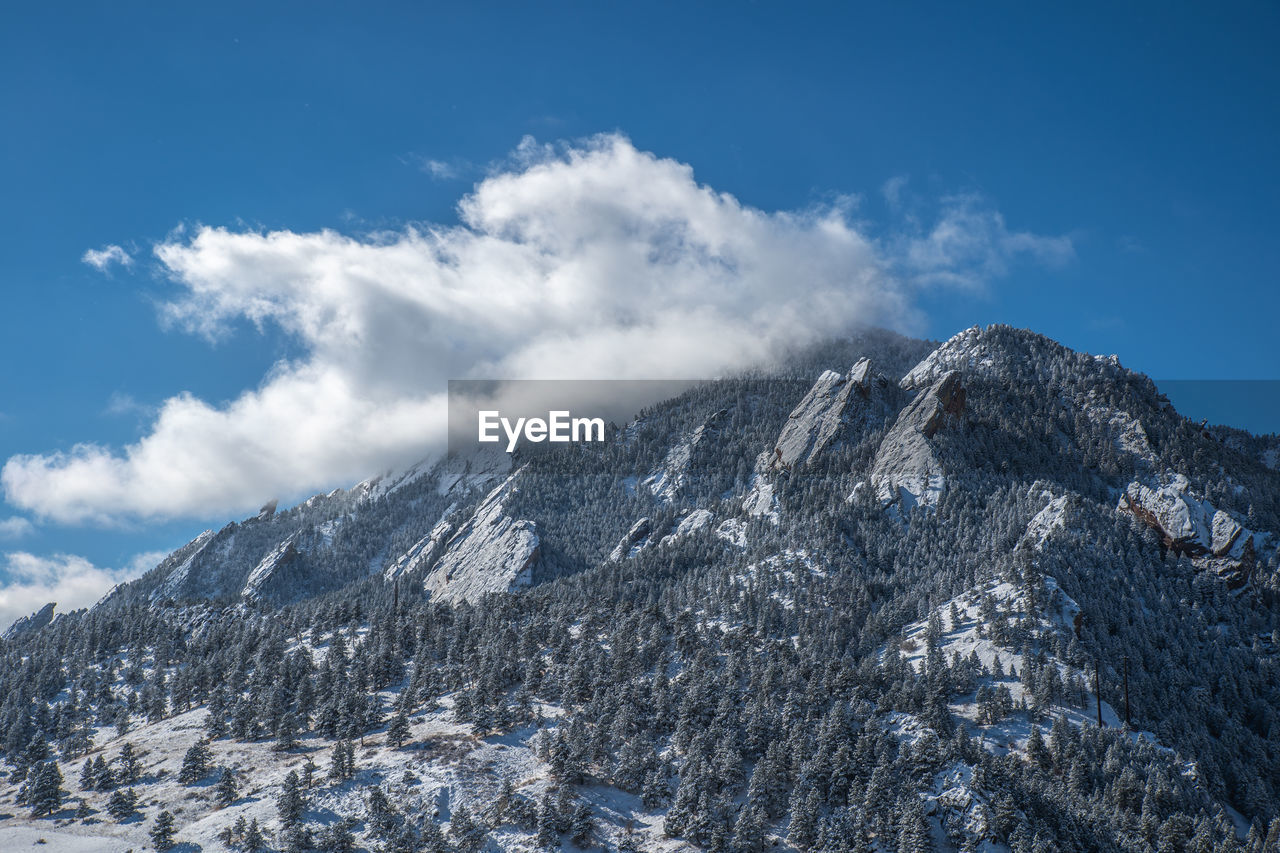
[(991, 594)]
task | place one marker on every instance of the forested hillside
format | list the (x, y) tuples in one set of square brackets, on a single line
[(988, 595)]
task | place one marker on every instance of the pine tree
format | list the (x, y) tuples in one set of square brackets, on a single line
[(196, 763), (548, 822), (433, 839), (45, 793), (162, 831), (382, 815), (87, 776), (1036, 749), (290, 803), (913, 831), (123, 804), (84, 810), (309, 769), (104, 777), (287, 733), (253, 840), (749, 829), (581, 825), (299, 839), (343, 765), (228, 790), (129, 768), (656, 791), (338, 838), (398, 731), (467, 834), (804, 817)]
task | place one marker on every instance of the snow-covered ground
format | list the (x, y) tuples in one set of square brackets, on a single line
[(443, 764), (972, 636)]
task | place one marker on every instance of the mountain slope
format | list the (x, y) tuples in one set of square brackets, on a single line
[(670, 641)]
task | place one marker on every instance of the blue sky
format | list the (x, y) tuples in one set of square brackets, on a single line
[(1119, 163)]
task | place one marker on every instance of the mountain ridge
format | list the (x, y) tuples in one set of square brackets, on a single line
[(672, 642)]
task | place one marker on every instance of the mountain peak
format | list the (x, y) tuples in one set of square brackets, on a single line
[(818, 421)]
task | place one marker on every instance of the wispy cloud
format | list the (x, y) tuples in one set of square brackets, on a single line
[(440, 170), (452, 169), (103, 259), (969, 244), (584, 260), (15, 527), (69, 580), (121, 403), (892, 191)]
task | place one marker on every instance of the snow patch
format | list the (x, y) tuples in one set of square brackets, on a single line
[(1052, 518), (760, 501), (733, 531), (697, 520)]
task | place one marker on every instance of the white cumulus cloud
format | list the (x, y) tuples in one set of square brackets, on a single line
[(102, 259), (592, 260), (69, 580)]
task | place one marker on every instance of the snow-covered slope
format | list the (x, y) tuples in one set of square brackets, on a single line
[(665, 482), (425, 552)]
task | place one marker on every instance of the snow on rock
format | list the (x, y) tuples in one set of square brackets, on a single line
[(1053, 517), (733, 531), (817, 422), (491, 552), (34, 622), (633, 541), (425, 551), (760, 501), (1128, 436), (478, 470), (907, 468), (697, 520), (1190, 526), (665, 482), (908, 728), (279, 556), (965, 814), (783, 574), (964, 351), (1052, 613), (177, 577)]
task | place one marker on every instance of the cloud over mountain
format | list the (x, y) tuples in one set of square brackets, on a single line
[(71, 581), (591, 260)]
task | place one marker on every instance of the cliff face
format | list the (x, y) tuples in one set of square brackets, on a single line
[(833, 404), (491, 552), (907, 468), (1190, 526)]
